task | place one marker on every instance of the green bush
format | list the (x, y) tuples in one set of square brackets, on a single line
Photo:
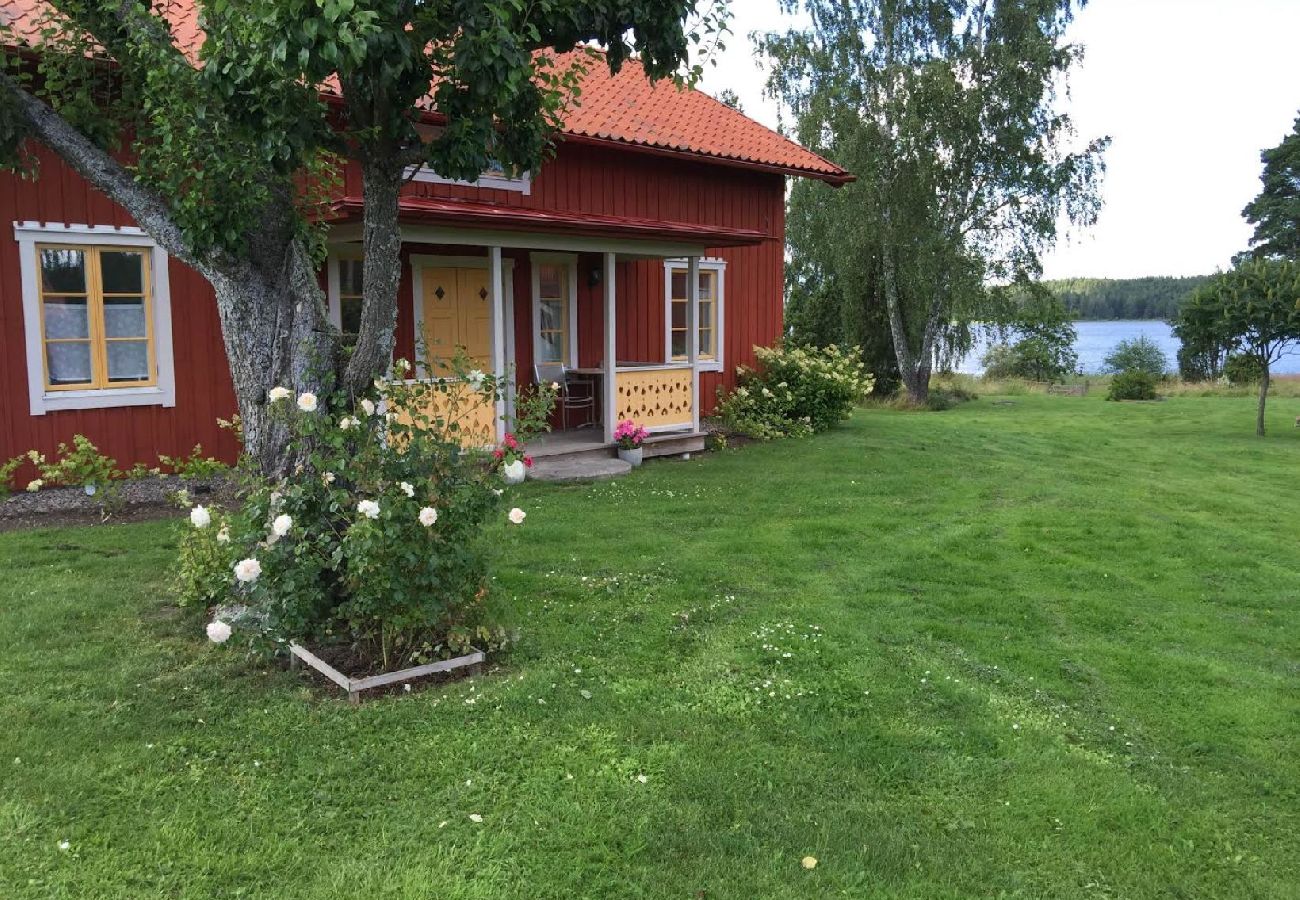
[(795, 391), (377, 541), (1132, 384), (1033, 358), (943, 398), (1140, 354), (1243, 369)]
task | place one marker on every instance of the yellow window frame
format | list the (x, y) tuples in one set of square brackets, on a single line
[(707, 329), (96, 334)]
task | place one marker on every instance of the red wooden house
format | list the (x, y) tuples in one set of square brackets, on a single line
[(658, 201)]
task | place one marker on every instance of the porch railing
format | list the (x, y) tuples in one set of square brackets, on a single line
[(659, 397)]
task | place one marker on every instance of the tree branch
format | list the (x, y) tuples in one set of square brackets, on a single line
[(98, 167)]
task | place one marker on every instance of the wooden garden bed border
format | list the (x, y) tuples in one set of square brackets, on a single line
[(354, 686)]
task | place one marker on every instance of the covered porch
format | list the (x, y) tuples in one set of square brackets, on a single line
[(529, 293)]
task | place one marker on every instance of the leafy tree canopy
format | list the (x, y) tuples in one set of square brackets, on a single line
[(1275, 213), (1139, 354)]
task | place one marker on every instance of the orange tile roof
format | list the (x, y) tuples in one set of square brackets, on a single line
[(623, 109)]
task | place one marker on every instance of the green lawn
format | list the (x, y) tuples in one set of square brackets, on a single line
[(1042, 647)]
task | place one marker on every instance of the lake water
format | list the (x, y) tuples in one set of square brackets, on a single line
[(1097, 339)]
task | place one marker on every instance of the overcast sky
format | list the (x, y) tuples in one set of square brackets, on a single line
[(1190, 90)]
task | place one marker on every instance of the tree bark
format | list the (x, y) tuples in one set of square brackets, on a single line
[(913, 369), (1263, 399)]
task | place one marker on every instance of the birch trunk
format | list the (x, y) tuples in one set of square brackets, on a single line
[(1263, 400)]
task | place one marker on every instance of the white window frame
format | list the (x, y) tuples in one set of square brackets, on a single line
[(570, 260), (719, 305), (522, 185), (163, 391)]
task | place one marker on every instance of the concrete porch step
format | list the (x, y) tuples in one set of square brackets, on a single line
[(584, 468)]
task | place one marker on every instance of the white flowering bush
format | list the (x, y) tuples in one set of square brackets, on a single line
[(378, 539), (795, 391)]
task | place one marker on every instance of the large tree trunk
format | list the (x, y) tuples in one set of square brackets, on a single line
[(913, 368), (1263, 400)]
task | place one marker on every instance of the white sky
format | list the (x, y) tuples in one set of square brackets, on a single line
[(1190, 90)]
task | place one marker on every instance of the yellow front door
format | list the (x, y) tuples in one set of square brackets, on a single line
[(457, 315)]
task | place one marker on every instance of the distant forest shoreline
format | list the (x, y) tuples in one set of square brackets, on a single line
[(1113, 299)]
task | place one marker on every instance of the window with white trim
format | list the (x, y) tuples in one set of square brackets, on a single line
[(493, 176), (711, 298), (555, 299), (97, 318), (346, 277)]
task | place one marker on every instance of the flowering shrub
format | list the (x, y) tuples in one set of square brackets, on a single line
[(511, 452), (376, 541), (795, 391), (629, 435)]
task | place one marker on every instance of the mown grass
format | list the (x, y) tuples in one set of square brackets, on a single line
[(1030, 647)]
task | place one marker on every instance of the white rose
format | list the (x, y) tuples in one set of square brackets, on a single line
[(248, 570), (307, 402), (218, 631), (428, 516), (280, 527), (402, 365), (349, 422), (555, 386), (369, 509), (407, 488), (517, 516), (475, 379), (223, 536), (200, 517), (368, 406), (328, 477), (276, 394)]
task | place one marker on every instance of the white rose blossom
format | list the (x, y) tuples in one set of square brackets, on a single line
[(407, 488), (223, 535), (517, 516), (428, 516), (475, 379), (368, 407), (307, 402), (200, 517), (276, 394), (218, 631), (328, 477), (369, 509), (280, 527), (248, 570)]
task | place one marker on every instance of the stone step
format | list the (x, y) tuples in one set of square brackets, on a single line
[(564, 469)]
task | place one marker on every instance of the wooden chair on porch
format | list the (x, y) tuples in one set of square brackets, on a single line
[(567, 398)]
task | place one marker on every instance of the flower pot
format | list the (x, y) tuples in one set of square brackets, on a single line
[(632, 456), (514, 472)]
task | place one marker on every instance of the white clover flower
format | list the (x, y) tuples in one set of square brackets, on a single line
[(200, 517), (248, 570), (307, 402), (517, 516), (64, 845), (498, 491), (407, 488), (280, 527), (428, 516), (475, 817), (276, 394), (475, 379), (369, 509), (35, 485), (328, 477), (223, 535), (368, 407), (218, 631)]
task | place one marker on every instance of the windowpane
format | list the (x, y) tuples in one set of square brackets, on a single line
[(350, 315), (124, 317), (706, 342), (706, 285), (69, 363), (679, 314), (122, 272), (66, 318), (551, 315), (679, 284), (352, 275), (550, 281), (551, 347), (128, 360), (679, 343), (63, 271)]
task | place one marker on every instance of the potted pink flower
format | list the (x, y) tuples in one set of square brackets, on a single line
[(514, 462), (629, 436)]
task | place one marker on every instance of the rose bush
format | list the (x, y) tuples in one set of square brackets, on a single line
[(379, 539), (795, 391)]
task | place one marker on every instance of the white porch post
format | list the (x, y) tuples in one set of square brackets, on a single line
[(610, 381), (693, 337), (496, 279)]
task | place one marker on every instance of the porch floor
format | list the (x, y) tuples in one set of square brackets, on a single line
[(581, 454)]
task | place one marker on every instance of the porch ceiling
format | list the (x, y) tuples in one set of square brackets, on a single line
[(487, 216)]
